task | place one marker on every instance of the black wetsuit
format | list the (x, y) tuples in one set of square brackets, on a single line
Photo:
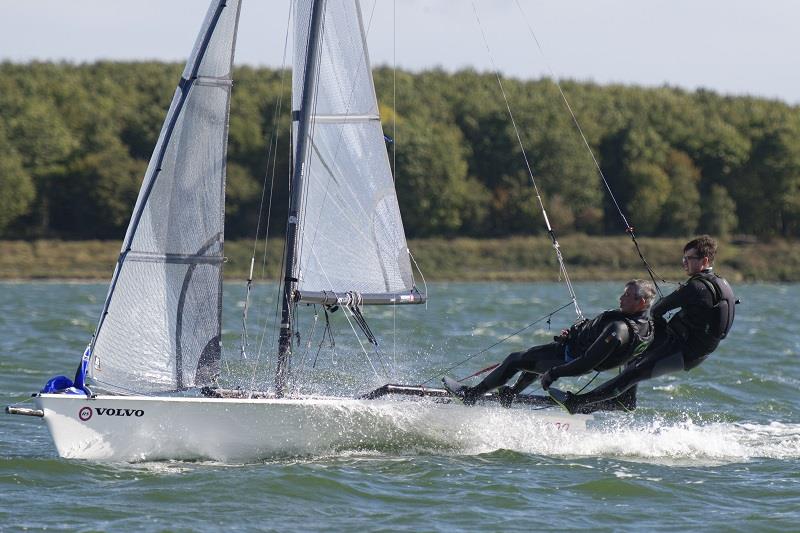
[(707, 310), (606, 341)]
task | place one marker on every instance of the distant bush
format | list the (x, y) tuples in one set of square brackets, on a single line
[(462, 259)]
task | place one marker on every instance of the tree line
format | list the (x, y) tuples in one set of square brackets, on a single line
[(75, 141)]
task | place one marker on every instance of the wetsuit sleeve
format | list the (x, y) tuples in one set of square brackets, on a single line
[(614, 335), (667, 304), (693, 293)]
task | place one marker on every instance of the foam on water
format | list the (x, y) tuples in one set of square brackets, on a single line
[(690, 443), (411, 429)]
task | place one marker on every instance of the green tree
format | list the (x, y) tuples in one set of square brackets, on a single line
[(681, 210), (719, 213), (436, 195), (767, 191), (81, 135), (634, 161), (45, 145), (15, 183), (97, 199), (242, 201), (653, 188)]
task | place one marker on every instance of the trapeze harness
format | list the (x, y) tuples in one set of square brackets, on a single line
[(584, 335), (701, 328)]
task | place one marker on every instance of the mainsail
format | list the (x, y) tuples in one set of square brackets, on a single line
[(350, 234), (160, 327)]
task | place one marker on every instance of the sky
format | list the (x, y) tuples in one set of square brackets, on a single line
[(728, 46)]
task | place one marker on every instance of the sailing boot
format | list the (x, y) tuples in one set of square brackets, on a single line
[(565, 399), (468, 395), (506, 396)]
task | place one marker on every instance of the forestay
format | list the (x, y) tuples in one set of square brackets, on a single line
[(350, 236), (160, 329)]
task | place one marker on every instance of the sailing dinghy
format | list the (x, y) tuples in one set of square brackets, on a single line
[(156, 351)]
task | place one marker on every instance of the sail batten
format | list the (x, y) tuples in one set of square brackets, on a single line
[(173, 258), (343, 119)]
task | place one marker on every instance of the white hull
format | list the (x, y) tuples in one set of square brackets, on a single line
[(125, 428)]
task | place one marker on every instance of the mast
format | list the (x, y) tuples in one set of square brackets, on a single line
[(296, 185)]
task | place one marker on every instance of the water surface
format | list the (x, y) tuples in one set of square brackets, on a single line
[(714, 449)]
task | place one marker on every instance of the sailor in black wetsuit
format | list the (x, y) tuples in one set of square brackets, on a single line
[(607, 341), (707, 306)]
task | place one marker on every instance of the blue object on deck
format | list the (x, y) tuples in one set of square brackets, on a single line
[(57, 384), (64, 385)]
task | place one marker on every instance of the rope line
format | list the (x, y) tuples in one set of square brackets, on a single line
[(424, 283), (263, 334), (479, 372), (548, 316), (628, 227), (562, 266), (308, 342), (272, 157)]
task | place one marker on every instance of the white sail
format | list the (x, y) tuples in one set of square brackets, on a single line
[(351, 235), (160, 329)]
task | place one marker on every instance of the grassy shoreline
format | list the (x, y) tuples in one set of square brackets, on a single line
[(461, 259)]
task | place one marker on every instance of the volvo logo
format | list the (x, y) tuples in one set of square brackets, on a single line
[(86, 412)]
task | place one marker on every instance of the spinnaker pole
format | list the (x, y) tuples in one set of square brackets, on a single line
[(303, 143)]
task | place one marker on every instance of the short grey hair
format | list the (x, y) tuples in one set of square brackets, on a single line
[(644, 290)]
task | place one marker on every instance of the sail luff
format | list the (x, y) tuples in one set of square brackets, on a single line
[(216, 355), (302, 146)]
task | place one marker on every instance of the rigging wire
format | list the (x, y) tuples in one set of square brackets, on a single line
[(628, 227), (274, 155), (556, 246), (332, 341), (424, 283), (280, 292), (352, 327), (309, 340), (547, 317), (394, 153), (479, 372), (272, 158)]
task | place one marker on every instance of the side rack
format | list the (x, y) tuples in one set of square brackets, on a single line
[(626, 402), (427, 392)]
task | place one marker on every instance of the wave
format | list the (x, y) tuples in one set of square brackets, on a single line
[(689, 441)]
